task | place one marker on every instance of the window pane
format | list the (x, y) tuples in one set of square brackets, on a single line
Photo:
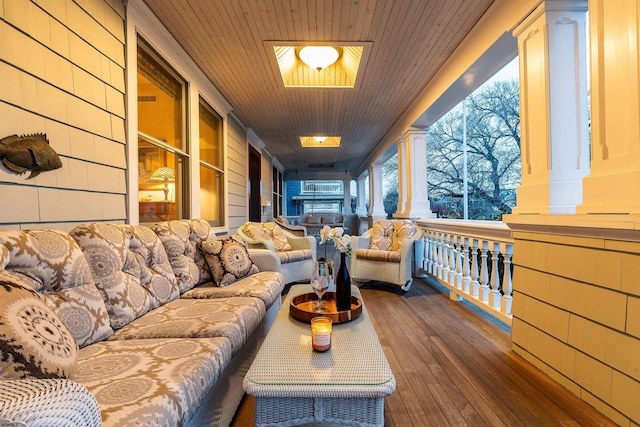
[(211, 150), (160, 100), (159, 183), (211, 196)]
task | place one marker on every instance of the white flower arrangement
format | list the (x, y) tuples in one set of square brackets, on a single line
[(341, 241)]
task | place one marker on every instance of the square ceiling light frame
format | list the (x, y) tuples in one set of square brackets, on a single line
[(345, 73), (312, 141)]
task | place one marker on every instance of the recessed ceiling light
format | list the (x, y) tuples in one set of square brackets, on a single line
[(318, 57), (320, 141), (341, 71)]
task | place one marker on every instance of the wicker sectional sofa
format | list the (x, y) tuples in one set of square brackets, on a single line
[(125, 327)]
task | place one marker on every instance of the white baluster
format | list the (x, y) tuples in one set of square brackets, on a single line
[(427, 250), (507, 288), (494, 295), (452, 260), (434, 253), (437, 266), (440, 245), (445, 257), (459, 257), (434, 267), (466, 279), (484, 273), (475, 284)]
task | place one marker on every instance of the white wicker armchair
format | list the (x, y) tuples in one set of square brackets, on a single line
[(273, 249), (386, 252)]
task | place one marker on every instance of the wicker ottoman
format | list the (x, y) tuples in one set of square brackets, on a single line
[(293, 385)]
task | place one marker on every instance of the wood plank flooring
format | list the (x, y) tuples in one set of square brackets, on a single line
[(454, 367)]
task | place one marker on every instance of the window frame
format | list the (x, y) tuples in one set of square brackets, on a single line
[(182, 153), (201, 163)]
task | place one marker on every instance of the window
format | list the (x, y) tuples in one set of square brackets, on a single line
[(483, 131), (162, 139), (212, 201), (278, 190)]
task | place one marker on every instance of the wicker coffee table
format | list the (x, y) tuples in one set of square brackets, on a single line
[(293, 385)]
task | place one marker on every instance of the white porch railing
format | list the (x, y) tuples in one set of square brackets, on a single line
[(472, 259), (321, 187)]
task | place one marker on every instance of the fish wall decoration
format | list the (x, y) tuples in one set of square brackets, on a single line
[(28, 153)]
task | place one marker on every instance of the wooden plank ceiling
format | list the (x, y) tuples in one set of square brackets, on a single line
[(411, 40)]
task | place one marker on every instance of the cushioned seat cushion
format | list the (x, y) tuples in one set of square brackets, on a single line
[(295, 255), (266, 285), (151, 382), (233, 318), (378, 255)]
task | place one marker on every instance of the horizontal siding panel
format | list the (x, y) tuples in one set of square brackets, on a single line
[(238, 158), (104, 15), (237, 200), (238, 189), (86, 27), (106, 179), (18, 202), (18, 121), (237, 211)]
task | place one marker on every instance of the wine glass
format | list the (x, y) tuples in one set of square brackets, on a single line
[(320, 283)]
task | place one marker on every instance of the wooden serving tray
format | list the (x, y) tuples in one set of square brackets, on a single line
[(302, 308)]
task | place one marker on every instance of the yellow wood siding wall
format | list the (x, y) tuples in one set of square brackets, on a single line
[(575, 316), (62, 68)]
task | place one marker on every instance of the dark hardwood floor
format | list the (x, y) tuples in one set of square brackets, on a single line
[(454, 367)]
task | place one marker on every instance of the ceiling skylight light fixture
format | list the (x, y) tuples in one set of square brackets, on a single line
[(319, 57), (320, 141), (345, 63)]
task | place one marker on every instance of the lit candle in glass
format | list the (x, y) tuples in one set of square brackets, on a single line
[(321, 333)]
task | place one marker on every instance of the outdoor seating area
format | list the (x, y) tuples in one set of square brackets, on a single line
[(173, 172), (121, 325), (315, 221)]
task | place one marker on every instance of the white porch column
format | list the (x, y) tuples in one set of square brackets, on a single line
[(412, 172), (614, 183), (401, 146), (376, 207), (553, 107), (346, 184), (361, 195)]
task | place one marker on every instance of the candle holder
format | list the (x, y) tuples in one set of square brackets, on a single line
[(321, 333)]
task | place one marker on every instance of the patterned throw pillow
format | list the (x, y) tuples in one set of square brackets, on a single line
[(34, 343), (253, 230), (273, 232), (228, 260), (312, 220), (382, 235), (402, 229), (327, 220)]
